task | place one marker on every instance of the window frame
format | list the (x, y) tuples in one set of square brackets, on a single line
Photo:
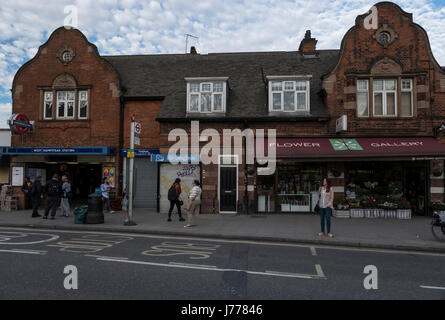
[(79, 101), (283, 81), (207, 81), (367, 97), (65, 117), (411, 91), (384, 93)]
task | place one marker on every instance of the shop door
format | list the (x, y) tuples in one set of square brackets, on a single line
[(415, 189), (227, 189), (145, 183)]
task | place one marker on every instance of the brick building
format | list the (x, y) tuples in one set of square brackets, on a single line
[(367, 116)]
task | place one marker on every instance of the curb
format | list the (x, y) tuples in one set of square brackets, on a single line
[(333, 243)]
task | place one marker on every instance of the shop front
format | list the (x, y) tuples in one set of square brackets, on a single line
[(84, 166), (364, 173)]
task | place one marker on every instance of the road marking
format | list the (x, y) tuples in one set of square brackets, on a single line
[(313, 251), (320, 272), (96, 256), (23, 251), (193, 250), (295, 245), (5, 236), (184, 266), (192, 265), (434, 288)]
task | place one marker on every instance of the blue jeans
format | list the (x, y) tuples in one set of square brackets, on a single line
[(107, 202), (325, 213)]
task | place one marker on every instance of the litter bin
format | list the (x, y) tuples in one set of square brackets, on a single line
[(95, 214), (79, 214)]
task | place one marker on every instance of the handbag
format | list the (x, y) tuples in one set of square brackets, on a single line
[(181, 202), (317, 208)]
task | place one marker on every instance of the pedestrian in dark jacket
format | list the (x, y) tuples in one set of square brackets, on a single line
[(173, 196), (53, 193), (36, 193)]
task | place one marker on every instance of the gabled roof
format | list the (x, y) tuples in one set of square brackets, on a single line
[(162, 76)]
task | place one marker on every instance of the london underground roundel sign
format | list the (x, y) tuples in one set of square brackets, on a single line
[(20, 123)]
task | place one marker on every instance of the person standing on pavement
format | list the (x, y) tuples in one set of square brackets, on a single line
[(36, 193), (53, 192), (105, 188), (66, 192), (325, 202), (27, 188), (193, 204), (173, 196)]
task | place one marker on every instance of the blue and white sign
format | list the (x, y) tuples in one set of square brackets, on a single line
[(58, 151), (141, 152), (188, 158)]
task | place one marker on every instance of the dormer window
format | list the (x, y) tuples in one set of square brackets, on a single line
[(206, 95), (289, 94)]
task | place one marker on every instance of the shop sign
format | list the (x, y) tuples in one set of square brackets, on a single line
[(187, 158), (345, 144)]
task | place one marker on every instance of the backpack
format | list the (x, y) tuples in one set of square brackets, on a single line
[(53, 188), (172, 193)]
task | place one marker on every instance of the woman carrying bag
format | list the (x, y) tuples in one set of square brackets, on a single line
[(193, 204), (325, 203)]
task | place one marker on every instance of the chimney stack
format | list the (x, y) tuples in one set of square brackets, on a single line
[(308, 44), (193, 50)]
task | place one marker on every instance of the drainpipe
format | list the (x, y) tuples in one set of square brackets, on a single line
[(246, 180)]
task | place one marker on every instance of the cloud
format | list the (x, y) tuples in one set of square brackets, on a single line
[(150, 26)]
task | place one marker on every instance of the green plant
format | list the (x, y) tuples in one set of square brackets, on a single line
[(437, 205), (404, 205)]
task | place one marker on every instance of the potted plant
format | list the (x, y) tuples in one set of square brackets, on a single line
[(404, 209), (341, 208), (390, 209), (356, 210), (372, 210)]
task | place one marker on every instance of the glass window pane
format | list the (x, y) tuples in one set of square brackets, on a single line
[(206, 102), (48, 109), (194, 102), (406, 104), (70, 95), (300, 86), (390, 104), (289, 103), (206, 87), (406, 84), (61, 95), (217, 102), (362, 85), (218, 87), (289, 85), (70, 109), (194, 87), (48, 96), (277, 86), (301, 101), (83, 95), (362, 104), (378, 104), (83, 109), (378, 85), (390, 84), (61, 109), (276, 101)]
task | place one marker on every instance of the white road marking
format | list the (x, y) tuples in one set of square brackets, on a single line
[(8, 235), (320, 272), (193, 265), (313, 251), (434, 288), (184, 266), (105, 257), (295, 245), (22, 251)]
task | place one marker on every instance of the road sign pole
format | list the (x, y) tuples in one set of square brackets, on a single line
[(131, 178)]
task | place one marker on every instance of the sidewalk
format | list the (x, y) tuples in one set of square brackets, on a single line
[(412, 234)]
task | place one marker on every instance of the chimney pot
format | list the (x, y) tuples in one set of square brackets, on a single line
[(308, 45)]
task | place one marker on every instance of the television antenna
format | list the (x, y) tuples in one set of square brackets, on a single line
[(187, 37)]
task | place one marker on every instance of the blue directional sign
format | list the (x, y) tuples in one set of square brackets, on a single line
[(187, 158)]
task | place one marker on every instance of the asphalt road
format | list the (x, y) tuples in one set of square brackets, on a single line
[(128, 266)]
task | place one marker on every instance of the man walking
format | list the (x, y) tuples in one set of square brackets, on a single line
[(36, 193), (65, 201), (53, 191), (105, 188)]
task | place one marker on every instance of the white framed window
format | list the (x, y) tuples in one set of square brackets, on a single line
[(385, 97), (65, 104), (206, 96), (289, 95), (83, 105), (407, 98), (47, 105), (362, 98)]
